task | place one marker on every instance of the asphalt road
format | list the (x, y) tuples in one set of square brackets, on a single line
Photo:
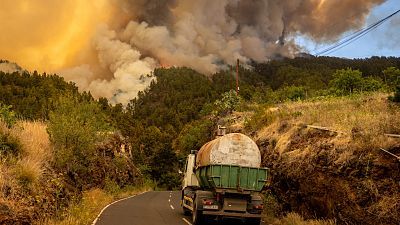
[(151, 208)]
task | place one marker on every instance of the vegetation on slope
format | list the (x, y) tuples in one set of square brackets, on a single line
[(46, 167), (339, 172), (115, 146)]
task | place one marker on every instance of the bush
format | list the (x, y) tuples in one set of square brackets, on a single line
[(111, 187), (396, 97), (347, 81), (10, 146), (193, 136), (392, 77), (229, 102), (372, 84), (292, 93), (75, 127), (7, 115)]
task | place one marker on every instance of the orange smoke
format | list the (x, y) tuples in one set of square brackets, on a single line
[(48, 34)]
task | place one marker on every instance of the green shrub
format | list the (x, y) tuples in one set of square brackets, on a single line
[(396, 97), (9, 145), (229, 102), (372, 84), (111, 187), (261, 118), (392, 77), (293, 93), (347, 81), (7, 115), (193, 136), (75, 127)]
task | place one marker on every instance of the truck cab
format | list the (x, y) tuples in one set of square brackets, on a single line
[(190, 179)]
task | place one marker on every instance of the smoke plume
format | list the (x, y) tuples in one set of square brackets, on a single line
[(9, 67), (110, 47)]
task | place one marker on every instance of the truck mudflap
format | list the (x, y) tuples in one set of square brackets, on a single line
[(231, 214)]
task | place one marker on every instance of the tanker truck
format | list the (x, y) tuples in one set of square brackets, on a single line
[(224, 180)]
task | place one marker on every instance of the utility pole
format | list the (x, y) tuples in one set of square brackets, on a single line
[(237, 77)]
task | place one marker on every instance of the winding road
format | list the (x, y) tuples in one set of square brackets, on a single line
[(150, 208)]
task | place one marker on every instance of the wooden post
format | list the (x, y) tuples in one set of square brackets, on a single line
[(392, 135), (237, 77), (386, 151)]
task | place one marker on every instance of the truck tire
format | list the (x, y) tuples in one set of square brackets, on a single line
[(186, 211), (197, 216), (253, 221)]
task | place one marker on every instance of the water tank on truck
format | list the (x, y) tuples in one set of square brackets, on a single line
[(224, 180)]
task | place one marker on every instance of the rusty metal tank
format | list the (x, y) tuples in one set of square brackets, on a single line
[(231, 149)]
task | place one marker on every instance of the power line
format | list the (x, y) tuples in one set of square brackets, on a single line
[(355, 36)]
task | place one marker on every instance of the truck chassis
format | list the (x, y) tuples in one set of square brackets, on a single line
[(219, 205)]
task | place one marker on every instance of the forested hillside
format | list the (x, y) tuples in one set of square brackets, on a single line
[(178, 112)]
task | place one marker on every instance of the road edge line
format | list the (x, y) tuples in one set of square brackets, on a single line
[(112, 203), (186, 221)]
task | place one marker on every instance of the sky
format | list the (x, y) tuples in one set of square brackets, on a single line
[(383, 41), (108, 47)]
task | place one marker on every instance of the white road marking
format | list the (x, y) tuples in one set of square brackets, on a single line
[(171, 207), (186, 221), (169, 200), (97, 218)]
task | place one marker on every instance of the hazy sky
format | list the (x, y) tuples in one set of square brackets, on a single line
[(383, 41), (106, 46)]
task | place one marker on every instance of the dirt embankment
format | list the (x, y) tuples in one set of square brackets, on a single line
[(316, 177), (338, 173)]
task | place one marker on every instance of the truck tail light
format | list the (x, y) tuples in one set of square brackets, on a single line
[(258, 206), (208, 202)]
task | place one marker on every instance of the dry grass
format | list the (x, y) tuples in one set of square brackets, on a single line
[(34, 140), (3, 177), (296, 219), (35, 152), (28, 171), (86, 211), (361, 119), (347, 162), (368, 115), (387, 207), (25, 166)]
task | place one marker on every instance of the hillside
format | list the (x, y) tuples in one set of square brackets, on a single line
[(325, 157), (93, 146)]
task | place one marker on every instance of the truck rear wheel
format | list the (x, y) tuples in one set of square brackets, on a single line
[(197, 216), (186, 211)]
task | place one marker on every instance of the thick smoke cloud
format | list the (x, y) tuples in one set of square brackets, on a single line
[(132, 37)]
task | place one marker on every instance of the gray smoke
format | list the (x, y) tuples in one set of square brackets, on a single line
[(206, 35)]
